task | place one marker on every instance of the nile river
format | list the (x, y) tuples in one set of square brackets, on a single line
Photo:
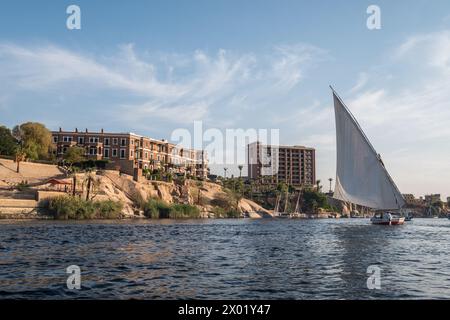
[(225, 259)]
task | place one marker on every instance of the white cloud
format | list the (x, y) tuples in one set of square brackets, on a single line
[(291, 62), (432, 48), (177, 88), (408, 121), (363, 78)]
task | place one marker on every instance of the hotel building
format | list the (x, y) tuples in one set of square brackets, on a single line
[(129, 151), (293, 165)]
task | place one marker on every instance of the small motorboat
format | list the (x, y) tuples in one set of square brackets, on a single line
[(408, 216), (387, 218)]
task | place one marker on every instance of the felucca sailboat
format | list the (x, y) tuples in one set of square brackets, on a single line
[(361, 177)]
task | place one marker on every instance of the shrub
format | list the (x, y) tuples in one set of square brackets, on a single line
[(184, 211), (66, 207), (23, 186), (108, 209), (225, 213), (156, 208)]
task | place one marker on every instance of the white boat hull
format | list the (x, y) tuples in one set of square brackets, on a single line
[(388, 220)]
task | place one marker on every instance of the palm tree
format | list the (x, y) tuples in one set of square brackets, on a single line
[(91, 184), (330, 179), (225, 172), (240, 167), (318, 185), (73, 173)]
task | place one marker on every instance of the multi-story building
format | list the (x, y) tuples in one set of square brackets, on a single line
[(293, 165), (410, 199), (432, 198), (128, 151)]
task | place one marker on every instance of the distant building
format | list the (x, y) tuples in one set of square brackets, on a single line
[(293, 165), (432, 198), (129, 151), (448, 200), (411, 200)]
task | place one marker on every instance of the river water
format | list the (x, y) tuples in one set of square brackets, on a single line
[(225, 259)]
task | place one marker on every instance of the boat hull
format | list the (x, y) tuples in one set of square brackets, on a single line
[(393, 221)]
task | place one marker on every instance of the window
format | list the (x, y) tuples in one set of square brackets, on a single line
[(93, 139), (132, 142), (80, 140), (114, 152), (122, 153), (106, 142), (131, 152), (123, 142), (67, 139), (146, 155), (55, 139), (106, 153), (92, 151)]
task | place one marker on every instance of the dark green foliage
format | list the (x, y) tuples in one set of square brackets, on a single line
[(184, 211), (88, 164), (66, 207), (225, 213), (158, 209), (8, 143), (312, 200), (75, 155)]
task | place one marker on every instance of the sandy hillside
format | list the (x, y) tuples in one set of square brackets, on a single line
[(31, 172), (111, 185)]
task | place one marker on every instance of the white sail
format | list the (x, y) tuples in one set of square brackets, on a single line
[(360, 174)]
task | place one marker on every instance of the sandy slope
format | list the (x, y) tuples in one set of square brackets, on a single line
[(111, 185), (31, 172)]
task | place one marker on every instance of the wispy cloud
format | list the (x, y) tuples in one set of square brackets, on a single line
[(176, 88), (408, 122)]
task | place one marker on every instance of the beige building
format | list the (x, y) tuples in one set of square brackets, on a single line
[(432, 198), (293, 165), (129, 151), (412, 200)]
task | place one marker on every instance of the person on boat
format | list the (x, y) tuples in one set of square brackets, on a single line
[(389, 216)]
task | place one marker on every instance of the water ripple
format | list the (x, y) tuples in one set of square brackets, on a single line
[(224, 259)]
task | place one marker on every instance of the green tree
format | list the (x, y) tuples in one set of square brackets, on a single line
[(34, 138), (282, 188), (75, 154), (312, 200), (8, 144)]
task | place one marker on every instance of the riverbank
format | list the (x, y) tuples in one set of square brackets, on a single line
[(22, 194)]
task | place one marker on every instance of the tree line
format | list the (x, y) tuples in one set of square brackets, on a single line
[(26, 141)]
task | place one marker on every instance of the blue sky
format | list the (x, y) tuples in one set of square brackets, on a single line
[(154, 66)]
